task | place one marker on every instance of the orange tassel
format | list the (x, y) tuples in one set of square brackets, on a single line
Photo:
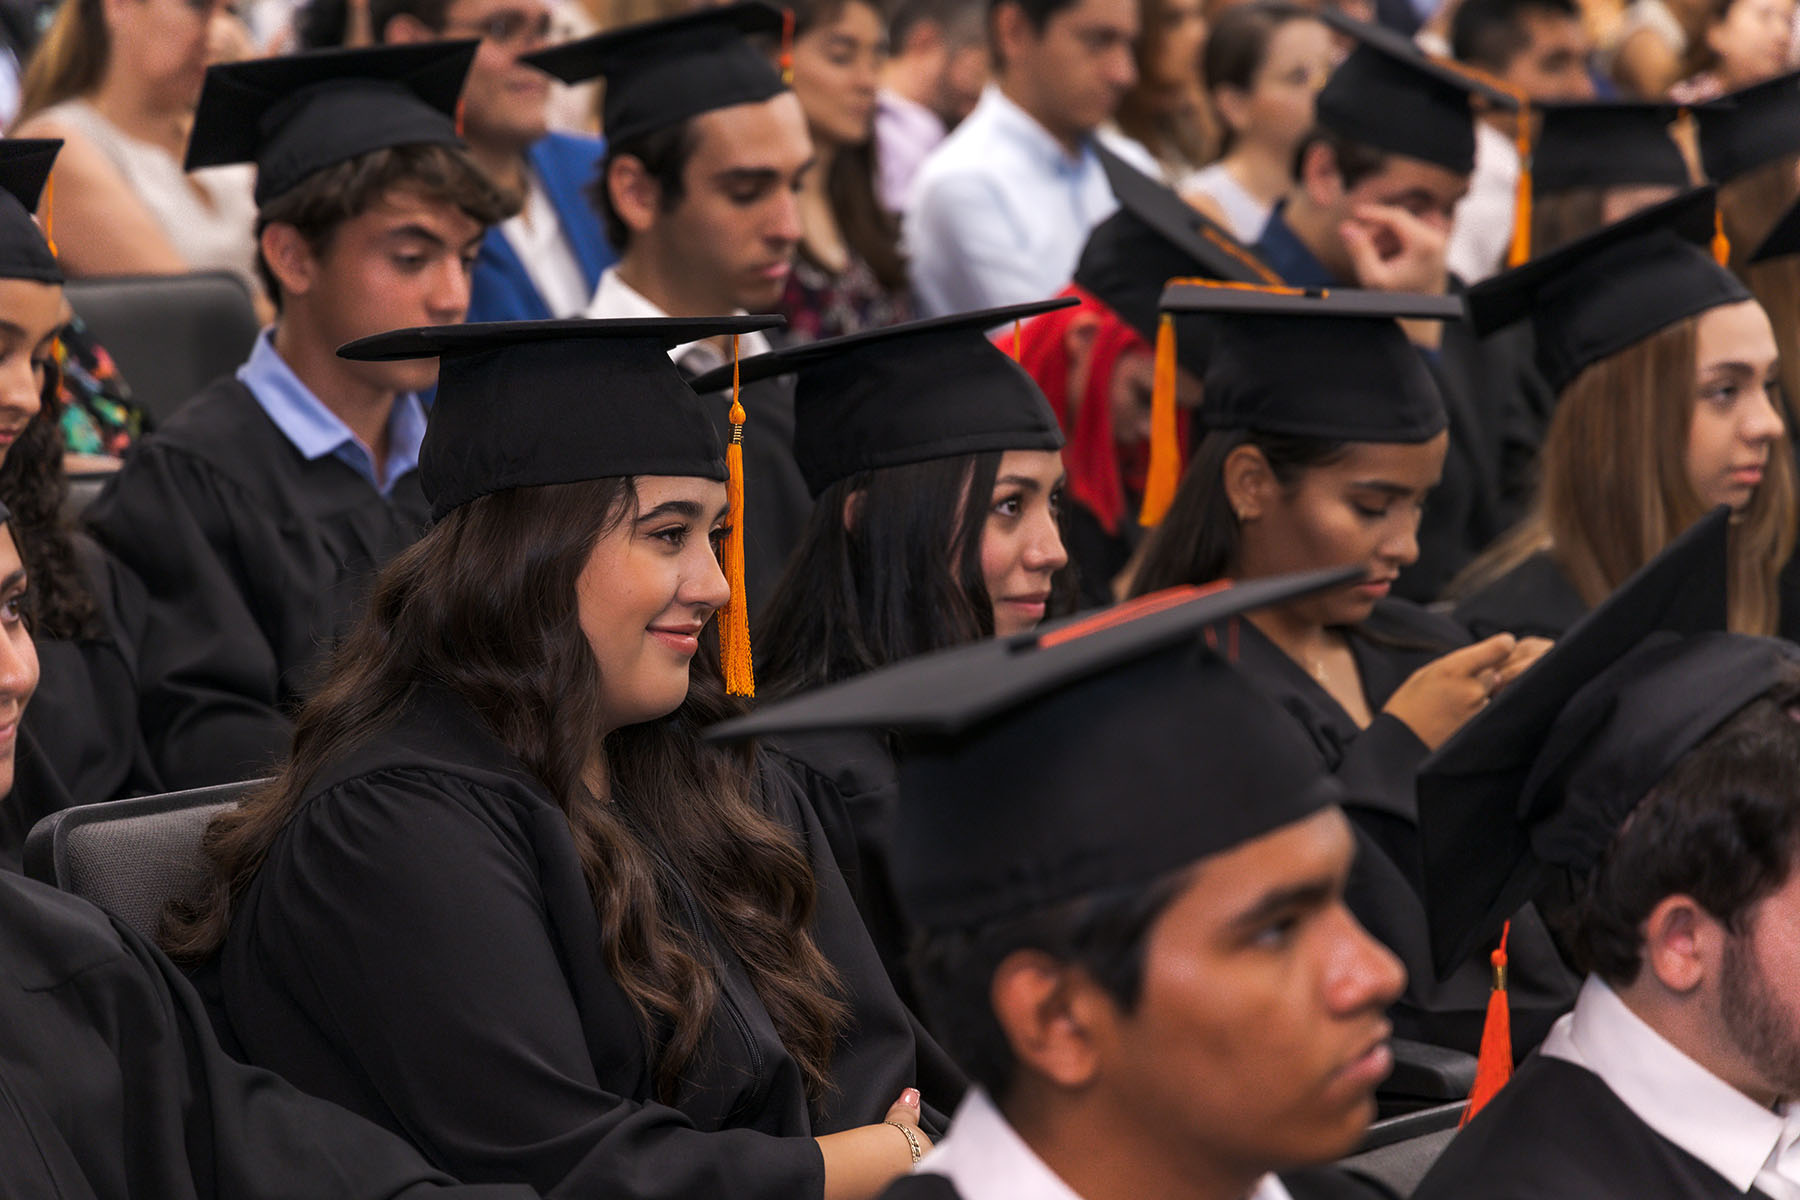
[(1494, 1066), (50, 213), (460, 101), (1018, 335), (1721, 245), (734, 622), (1519, 253), (787, 46), (1165, 431)]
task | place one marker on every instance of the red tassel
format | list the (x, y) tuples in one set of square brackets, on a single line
[(1494, 1067), (460, 101)]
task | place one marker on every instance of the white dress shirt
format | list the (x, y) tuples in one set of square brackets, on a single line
[(1000, 210), (1744, 1142), (1482, 227), (616, 298), (536, 235), (985, 1159)]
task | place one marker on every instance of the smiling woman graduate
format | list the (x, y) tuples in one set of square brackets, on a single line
[(613, 961)]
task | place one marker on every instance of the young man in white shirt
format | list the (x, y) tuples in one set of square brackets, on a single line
[(1666, 797), (1127, 877)]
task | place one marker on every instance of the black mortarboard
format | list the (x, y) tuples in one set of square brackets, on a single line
[(1331, 365), (300, 113), (1101, 752), (660, 73), (1484, 824), (1156, 236), (1783, 240), (1750, 127), (1391, 95), (1606, 144), (528, 403), (906, 394), (24, 168), (1612, 289)]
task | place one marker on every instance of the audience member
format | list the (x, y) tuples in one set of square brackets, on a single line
[(1265, 61), (1657, 44), (1325, 436), (1000, 210), (848, 274), (1161, 995), (1539, 50), (1165, 113), (257, 515), (1668, 406), (707, 154), (118, 83), (937, 65), (617, 961), (1746, 43)]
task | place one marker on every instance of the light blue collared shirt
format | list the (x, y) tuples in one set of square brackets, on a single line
[(316, 431), (1000, 210)]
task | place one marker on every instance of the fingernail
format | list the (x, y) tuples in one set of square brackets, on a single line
[(910, 1097)]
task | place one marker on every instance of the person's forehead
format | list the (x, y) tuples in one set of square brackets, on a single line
[(1111, 14), (460, 11), (767, 135), (1223, 887)]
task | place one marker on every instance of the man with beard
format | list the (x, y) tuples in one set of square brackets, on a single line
[(1666, 796)]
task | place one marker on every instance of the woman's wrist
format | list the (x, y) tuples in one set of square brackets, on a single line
[(913, 1149)]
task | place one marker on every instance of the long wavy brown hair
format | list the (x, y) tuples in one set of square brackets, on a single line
[(1613, 485), (485, 607)]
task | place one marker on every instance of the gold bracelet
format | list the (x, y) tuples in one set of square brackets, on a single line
[(912, 1141)]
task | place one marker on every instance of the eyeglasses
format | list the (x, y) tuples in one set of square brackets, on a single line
[(508, 27)]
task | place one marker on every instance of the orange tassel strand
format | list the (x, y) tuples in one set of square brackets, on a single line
[(787, 46), (1519, 253), (734, 621), (50, 213), (1018, 335), (460, 100), (1165, 431), (1494, 1066), (1721, 245)]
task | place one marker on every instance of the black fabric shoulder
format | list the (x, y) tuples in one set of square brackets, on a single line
[(1401, 624), (48, 937), (1534, 599), (923, 1186)]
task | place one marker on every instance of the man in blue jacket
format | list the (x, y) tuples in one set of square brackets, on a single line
[(546, 261)]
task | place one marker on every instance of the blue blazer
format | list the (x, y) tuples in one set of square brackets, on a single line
[(501, 289)]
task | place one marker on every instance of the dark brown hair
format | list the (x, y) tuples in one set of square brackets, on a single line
[(327, 198), (1189, 131), (34, 487), (1237, 47), (484, 606)]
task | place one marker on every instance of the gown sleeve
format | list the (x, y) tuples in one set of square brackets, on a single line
[(206, 666), (404, 931)]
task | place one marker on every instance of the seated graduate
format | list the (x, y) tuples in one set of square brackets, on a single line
[(934, 464), (1325, 435), (1161, 994), (1668, 405), (81, 741), (1098, 369), (257, 515), (1654, 788), (614, 961), (707, 151), (112, 1082)]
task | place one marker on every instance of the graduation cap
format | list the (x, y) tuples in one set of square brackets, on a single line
[(1328, 364), (1782, 241), (1092, 753), (1391, 95), (1156, 236), (905, 394), (1612, 289), (1749, 128), (300, 113), (25, 251), (531, 403), (661, 73), (1488, 824), (1608, 143)]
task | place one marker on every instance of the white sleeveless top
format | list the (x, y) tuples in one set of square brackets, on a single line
[(1245, 215), (215, 234)]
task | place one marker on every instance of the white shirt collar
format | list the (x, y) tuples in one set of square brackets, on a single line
[(616, 298), (986, 1159), (1667, 1090)]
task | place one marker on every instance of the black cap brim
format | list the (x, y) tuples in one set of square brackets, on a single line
[(434, 341)]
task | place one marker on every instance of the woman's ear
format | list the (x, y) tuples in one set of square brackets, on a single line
[(853, 504), (1250, 486), (1233, 105)]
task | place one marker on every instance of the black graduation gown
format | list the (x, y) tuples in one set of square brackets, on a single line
[(1557, 1132), (256, 561), (775, 493), (1379, 768), (80, 739), (421, 947), (853, 786), (1534, 599), (1319, 1183), (112, 1086)]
